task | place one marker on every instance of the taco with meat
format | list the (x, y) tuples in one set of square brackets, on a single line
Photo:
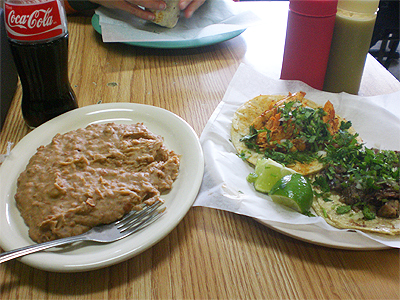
[(291, 130), (359, 187)]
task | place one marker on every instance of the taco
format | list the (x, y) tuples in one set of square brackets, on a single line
[(353, 218), (288, 129), (359, 188)]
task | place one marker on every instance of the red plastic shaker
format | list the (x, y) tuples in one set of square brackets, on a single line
[(308, 40)]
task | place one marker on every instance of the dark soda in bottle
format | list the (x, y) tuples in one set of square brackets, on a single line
[(38, 37)]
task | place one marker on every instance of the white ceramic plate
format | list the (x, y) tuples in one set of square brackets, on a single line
[(178, 136)]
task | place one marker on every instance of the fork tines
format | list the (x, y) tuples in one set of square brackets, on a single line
[(136, 219)]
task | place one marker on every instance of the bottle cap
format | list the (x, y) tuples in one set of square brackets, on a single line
[(359, 6), (314, 8)]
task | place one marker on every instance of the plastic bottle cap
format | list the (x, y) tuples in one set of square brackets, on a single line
[(314, 8), (359, 6)]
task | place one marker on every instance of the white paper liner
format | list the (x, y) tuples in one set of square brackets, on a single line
[(376, 119), (214, 17), (4, 156)]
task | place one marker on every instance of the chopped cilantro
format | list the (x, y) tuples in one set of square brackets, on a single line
[(242, 155), (368, 214), (344, 209)]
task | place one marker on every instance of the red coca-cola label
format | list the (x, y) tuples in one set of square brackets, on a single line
[(33, 22)]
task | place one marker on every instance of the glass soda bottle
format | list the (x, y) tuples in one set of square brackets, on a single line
[(38, 36)]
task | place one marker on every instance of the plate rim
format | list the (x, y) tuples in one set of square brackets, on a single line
[(190, 43), (293, 233), (96, 113)]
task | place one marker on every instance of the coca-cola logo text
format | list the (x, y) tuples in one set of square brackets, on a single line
[(38, 18), (33, 22)]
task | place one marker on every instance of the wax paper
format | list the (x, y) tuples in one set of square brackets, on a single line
[(376, 119), (4, 156), (214, 17)]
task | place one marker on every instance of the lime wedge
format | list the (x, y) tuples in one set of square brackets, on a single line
[(293, 191), (268, 173)]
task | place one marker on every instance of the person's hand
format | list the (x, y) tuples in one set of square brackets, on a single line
[(135, 7), (132, 6), (190, 6)]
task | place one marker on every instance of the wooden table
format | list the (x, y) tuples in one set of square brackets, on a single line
[(211, 253)]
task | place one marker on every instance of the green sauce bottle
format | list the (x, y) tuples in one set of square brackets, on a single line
[(354, 25)]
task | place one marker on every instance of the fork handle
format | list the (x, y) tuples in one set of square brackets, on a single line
[(6, 256)]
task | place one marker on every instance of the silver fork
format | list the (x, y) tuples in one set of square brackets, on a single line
[(130, 223)]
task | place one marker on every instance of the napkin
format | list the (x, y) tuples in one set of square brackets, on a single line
[(214, 17), (4, 156), (376, 119)]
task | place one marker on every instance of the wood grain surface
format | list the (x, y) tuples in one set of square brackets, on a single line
[(211, 254)]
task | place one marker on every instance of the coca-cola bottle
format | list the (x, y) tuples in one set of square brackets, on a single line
[(38, 35)]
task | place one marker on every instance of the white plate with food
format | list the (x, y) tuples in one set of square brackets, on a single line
[(377, 121), (178, 136)]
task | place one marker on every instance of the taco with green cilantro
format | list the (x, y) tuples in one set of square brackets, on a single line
[(288, 129)]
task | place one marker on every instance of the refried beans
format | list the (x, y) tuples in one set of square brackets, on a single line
[(92, 176)]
